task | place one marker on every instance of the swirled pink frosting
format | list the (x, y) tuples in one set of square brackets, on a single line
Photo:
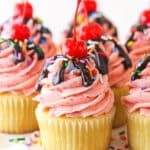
[(20, 77), (140, 45), (72, 99), (49, 47), (139, 95), (118, 74)]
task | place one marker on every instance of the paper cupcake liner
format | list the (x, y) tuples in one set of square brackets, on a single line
[(120, 115), (62, 133), (138, 130), (17, 113)]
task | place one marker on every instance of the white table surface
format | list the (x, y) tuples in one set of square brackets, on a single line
[(118, 141)]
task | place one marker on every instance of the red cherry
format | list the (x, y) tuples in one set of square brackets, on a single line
[(144, 18), (90, 5), (23, 9), (91, 31), (74, 48), (20, 32)]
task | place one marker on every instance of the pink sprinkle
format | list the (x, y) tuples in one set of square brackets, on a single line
[(19, 56)]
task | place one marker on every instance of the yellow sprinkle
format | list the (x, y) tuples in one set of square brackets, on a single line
[(80, 19), (1, 41), (130, 43), (91, 50), (16, 40), (69, 57), (89, 71), (39, 20), (15, 141)]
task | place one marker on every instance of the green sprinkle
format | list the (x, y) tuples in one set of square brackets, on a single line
[(138, 72), (39, 52), (21, 139), (66, 64)]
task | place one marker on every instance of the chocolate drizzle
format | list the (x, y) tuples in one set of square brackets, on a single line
[(42, 30), (127, 62), (139, 28), (43, 75), (64, 65), (140, 68), (85, 74), (102, 20), (18, 52), (37, 49), (100, 59), (18, 55), (59, 75)]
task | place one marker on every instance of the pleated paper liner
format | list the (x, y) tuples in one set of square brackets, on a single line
[(138, 130), (120, 115), (17, 113), (62, 133)]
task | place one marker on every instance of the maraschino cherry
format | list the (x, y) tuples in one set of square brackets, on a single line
[(23, 9), (90, 31), (20, 32), (90, 5), (144, 18), (72, 46)]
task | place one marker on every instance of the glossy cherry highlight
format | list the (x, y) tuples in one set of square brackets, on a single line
[(144, 18), (74, 48), (90, 31), (90, 5), (20, 32), (23, 9)]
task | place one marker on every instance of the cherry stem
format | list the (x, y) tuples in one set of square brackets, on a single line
[(75, 19), (24, 9)]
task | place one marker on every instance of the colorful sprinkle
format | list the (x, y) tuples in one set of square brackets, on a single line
[(130, 43), (144, 87)]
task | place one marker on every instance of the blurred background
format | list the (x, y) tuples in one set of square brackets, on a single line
[(56, 14)]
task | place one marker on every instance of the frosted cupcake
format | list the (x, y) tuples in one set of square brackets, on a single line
[(88, 11), (138, 40), (119, 64), (137, 104), (75, 108), (39, 33), (21, 62)]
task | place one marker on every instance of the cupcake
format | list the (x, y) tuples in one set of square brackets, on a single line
[(89, 11), (75, 105), (39, 33), (119, 67), (137, 106), (102, 47), (138, 39), (75, 110), (21, 62)]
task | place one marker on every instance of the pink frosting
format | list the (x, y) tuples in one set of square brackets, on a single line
[(140, 45), (20, 77), (118, 74), (72, 99), (138, 98), (49, 48)]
